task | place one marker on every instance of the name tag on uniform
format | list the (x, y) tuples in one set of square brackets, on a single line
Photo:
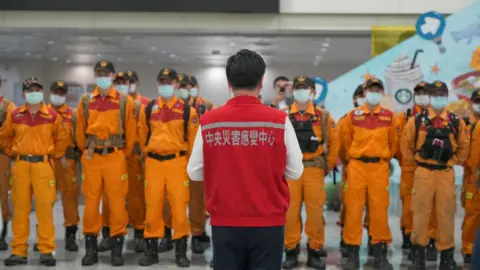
[(384, 118), (359, 118)]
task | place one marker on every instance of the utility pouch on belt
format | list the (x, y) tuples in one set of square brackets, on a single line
[(318, 162), (71, 153), (114, 141)]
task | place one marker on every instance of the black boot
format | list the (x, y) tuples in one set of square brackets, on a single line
[(412, 252), (47, 259), (106, 243), (150, 257), (353, 259), (343, 247), (211, 264), (91, 255), (407, 244), (15, 260), (467, 258), (116, 257), (370, 247), (181, 253), (315, 259), (380, 254), (139, 241), (166, 243), (447, 262), (197, 245), (3, 237), (431, 251), (418, 258), (70, 237), (291, 258), (204, 238)]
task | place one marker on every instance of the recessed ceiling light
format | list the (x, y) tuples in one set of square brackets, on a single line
[(127, 38), (54, 58), (163, 52), (28, 54), (328, 39), (27, 37), (232, 44), (172, 55), (323, 49), (326, 45), (150, 62), (153, 48), (318, 57), (50, 42), (119, 59), (68, 61)]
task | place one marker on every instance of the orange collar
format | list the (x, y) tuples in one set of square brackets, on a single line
[(43, 108), (310, 109), (112, 92), (377, 109), (62, 108), (432, 114), (169, 103)]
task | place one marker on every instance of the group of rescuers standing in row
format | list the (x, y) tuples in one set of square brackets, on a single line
[(134, 154)]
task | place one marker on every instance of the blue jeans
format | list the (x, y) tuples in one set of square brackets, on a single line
[(476, 252)]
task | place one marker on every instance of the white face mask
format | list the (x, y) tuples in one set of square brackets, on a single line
[(422, 100), (34, 98), (57, 100), (182, 93), (133, 88), (122, 88), (476, 107), (361, 101), (373, 98), (194, 92)]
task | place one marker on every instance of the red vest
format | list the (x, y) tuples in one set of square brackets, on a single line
[(244, 162)]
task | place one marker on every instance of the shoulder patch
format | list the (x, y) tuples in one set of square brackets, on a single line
[(358, 112)]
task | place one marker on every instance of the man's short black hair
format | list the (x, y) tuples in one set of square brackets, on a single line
[(280, 78), (245, 70)]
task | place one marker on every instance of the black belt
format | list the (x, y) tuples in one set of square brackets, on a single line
[(433, 167), (369, 159), (166, 157), (100, 150), (33, 159)]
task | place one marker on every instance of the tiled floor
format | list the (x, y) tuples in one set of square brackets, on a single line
[(68, 260)]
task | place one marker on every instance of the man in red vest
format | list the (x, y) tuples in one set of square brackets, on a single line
[(243, 152)]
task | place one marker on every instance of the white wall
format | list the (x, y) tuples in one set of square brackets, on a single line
[(371, 6), (213, 83)]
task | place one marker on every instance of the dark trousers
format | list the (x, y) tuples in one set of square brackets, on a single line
[(476, 253), (247, 248)]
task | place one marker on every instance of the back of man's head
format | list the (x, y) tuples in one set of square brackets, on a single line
[(245, 70)]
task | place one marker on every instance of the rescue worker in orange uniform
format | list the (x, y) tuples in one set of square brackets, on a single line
[(470, 195), (66, 168), (196, 212), (136, 196), (34, 134), (358, 100), (6, 106), (421, 103), (315, 130), (435, 142), (369, 137), (106, 133), (167, 130)]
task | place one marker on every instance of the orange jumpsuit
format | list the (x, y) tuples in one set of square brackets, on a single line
[(136, 196), (196, 207), (431, 185), (166, 165), (370, 141), (310, 188), (406, 183), (470, 192), (5, 173), (66, 170), (33, 139), (105, 174)]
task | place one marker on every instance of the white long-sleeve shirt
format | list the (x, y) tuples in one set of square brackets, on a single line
[(293, 169)]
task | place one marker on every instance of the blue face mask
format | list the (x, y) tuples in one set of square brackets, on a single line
[(182, 93), (301, 95), (122, 88), (103, 82), (34, 98), (438, 103), (194, 92), (373, 98), (165, 90)]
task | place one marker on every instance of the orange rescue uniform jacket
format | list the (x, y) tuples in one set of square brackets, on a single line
[(67, 117), (166, 126), (103, 117), (333, 142), (366, 133), (39, 134), (460, 145), (401, 121)]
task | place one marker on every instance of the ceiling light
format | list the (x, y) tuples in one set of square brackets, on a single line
[(27, 37), (163, 52), (172, 55), (318, 57), (153, 48), (326, 45), (127, 38), (28, 54), (119, 59), (54, 58), (232, 44), (68, 61), (328, 39), (50, 42), (323, 49), (150, 62)]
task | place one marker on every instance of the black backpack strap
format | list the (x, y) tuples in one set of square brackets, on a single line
[(454, 123), (148, 114), (186, 119), (409, 113), (418, 123)]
